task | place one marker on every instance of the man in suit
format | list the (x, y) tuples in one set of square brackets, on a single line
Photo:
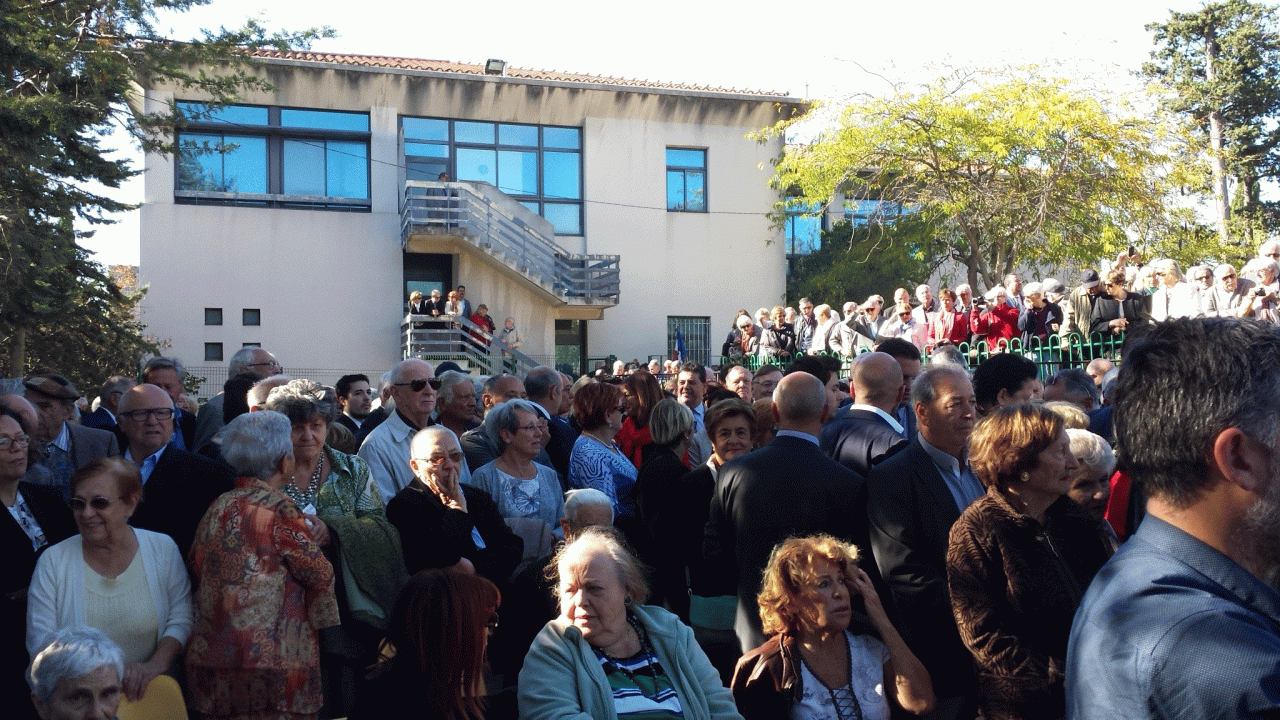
[(805, 325), (355, 399), (178, 486), (169, 375), (787, 488), (545, 390), (66, 446), (251, 360), (908, 357), (104, 418), (866, 432), (913, 498)]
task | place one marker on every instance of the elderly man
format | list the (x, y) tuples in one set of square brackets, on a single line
[(77, 676), (787, 488), (178, 486), (257, 395), (104, 418), (1076, 387), (964, 298), (1013, 283), (913, 498), (805, 325), (355, 400), (863, 434), (1184, 621), (1078, 309), (1229, 296), (246, 360), (764, 380), (1098, 369), (739, 381), (66, 446), (927, 307), (1173, 298), (456, 407), (169, 375), (1270, 250), (547, 391)]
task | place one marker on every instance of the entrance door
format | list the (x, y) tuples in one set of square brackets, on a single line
[(426, 272)]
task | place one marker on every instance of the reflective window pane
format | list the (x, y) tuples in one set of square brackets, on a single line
[(425, 129), (562, 137), (675, 190), (477, 165), (523, 135), (418, 170), (562, 175), (677, 157), (695, 194), (244, 169), (473, 132), (518, 172), (219, 163), (199, 162), (533, 206), (565, 217), (347, 169), (324, 119), (430, 150), (237, 114), (304, 167)]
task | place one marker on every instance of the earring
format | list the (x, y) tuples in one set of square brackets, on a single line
[(1026, 477), (627, 601)]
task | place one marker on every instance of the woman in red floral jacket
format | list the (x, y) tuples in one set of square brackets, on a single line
[(998, 322)]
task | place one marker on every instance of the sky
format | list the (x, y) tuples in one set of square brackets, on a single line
[(811, 49)]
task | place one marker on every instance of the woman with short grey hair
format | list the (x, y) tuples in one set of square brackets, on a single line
[(663, 503), (520, 487), (72, 653)]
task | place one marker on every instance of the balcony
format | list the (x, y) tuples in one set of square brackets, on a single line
[(458, 339), (483, 218)]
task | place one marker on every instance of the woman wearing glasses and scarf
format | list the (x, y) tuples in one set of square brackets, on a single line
[(129, 583)]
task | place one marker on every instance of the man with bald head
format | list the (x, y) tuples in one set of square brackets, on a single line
[(179, 486), (866, 432), (787, 488)]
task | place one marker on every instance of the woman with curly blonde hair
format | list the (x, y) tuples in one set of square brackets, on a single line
[(825, 658)]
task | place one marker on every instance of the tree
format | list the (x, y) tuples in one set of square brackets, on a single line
[(70, 68), (852, 263), (1007, 168), (1221, 66)]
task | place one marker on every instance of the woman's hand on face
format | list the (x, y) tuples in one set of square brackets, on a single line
[(136, 678)]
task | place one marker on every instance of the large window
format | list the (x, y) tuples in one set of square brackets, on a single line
[(273, 157), (686, 180), (804, 229), (689, 338), (538, 165), (871, 212)]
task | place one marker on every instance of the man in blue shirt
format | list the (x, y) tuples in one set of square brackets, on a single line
[(1184, 621)]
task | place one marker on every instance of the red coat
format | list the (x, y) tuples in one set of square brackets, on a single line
[(950, 327), (997, 323)]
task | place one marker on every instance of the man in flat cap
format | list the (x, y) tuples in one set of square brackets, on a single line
[(66, 446)]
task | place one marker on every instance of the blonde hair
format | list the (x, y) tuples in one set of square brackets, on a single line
[(783, 606), (1072, 415)]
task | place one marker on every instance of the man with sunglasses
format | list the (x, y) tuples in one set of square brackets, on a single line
[(179, 486), (65, 446), (1230, 295), (414, 388)]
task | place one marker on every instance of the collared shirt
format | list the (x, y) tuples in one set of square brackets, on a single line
[(714, 466), (797, 434), (962, 484), (1170, 627), (63, 441), (148, 464), (355, 419), (893, 422)]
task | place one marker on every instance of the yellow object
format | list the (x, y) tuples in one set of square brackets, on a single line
[(161, 701)]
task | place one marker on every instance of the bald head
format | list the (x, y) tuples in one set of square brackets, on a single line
[(800, 402), (877, 380), (145, 395)]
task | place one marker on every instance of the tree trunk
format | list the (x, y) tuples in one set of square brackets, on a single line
[(18, 353), (1217, 150)]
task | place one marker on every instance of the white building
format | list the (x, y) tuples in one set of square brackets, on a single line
[(614, 212)]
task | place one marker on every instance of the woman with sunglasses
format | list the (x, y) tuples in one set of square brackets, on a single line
[(129, 583), (36, 519), (1118, 310)]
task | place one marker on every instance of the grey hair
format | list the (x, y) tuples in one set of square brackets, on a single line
[(72, 653), (1170, 265), (384, 382), (398, 372), (300, 400), (1079, 384), (1033, 288), (962, 287), (254, 443), (449, 380), (162, 363), (1258, 264), (948, 355), (669, 421), (579, 498), (630, 573), (1222, 269), (261, 390), (503, 417), (116, 383), (434, 432), (925, 390), (540, 381), (991, 294), (240, 361), (1092, 451)]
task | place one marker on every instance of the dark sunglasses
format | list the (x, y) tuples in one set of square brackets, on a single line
[(417, 385), (98, 503)]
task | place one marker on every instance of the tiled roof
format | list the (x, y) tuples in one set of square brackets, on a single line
[(512, 72)]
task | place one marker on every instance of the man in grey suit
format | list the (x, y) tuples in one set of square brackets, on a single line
[(66, 446), (785, 489)]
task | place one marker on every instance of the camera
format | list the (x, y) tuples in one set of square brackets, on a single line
[(1259, 292)]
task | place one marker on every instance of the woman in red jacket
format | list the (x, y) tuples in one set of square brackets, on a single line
[(948, 326), (999, 321)]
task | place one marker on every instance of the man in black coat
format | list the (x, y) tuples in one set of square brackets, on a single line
[(866, 432), (544, 387), (913, 498), (788, 488)]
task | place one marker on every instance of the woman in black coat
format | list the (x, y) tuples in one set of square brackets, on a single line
[(662, 498)]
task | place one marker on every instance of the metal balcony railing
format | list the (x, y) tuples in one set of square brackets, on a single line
[(496, 224), (462, 341)]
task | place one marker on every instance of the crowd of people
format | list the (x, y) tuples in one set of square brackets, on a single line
[(890, 534), (455, 306)]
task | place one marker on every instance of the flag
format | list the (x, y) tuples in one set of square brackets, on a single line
[(679, 345)]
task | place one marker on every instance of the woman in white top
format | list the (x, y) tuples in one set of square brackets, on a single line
[(131, 584), (520, 487)]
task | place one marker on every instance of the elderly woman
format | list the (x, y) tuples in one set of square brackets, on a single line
[(778, 339), (998, 321), (596, 462), (1091, 481), (1019, 561), (1119, 308), (434, 654), (76, 676), (904, 325), (520, 487), (662, 498), (1173, 298), (129, 583), (1040, 319), (608, 656), (1263, 300), (263, 588), (36, 518), (641, 392), (825, 658), (948, 326)]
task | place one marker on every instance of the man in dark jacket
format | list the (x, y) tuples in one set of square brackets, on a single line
[(866, 432)]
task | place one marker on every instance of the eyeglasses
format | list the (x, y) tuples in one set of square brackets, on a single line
[(270, 364), (420, 383), (438, 458), (1232, 276), (529, 428), (1204, 278), (98, 503), (17, 441), (905, 315), (141, 415)]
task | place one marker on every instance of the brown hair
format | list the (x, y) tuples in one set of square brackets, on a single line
[(1007, 443), (593, 403), (647, 393), (725, 409), (128, 478), (439, 629), (947, 294), (783, 606)]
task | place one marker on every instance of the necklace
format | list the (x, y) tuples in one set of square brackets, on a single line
[(303, 498)]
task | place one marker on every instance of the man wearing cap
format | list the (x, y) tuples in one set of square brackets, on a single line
[(66, 446)]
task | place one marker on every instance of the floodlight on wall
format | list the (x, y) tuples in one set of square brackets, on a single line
[(495, 67)]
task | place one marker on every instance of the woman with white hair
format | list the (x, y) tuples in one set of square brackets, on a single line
[(998, 321), (1040, 319), (520, 487), (1173, 298), (1264, 295), (77, 675), (1091, 480)]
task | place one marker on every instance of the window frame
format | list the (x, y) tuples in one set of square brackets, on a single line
[(211, 313), (244, 317), (685, 171), (211, 349), (698, 349)]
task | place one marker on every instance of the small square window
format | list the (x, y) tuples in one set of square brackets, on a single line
[(213, 352), (252, 345), (251, 316), (213, 316)]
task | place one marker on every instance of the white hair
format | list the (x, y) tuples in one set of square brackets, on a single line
[(72, 652)]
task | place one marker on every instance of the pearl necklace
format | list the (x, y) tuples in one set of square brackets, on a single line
[(304, 498)]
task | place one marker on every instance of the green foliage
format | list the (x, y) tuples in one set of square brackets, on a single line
[(70, 70), (1009, 168), (854, 263)]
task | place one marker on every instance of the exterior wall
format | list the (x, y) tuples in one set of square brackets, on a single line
[(329, 284)]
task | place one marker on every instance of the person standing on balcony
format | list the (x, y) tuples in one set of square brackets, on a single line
[(451, 304), (464, 305), (482, 320), (509, 339)]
